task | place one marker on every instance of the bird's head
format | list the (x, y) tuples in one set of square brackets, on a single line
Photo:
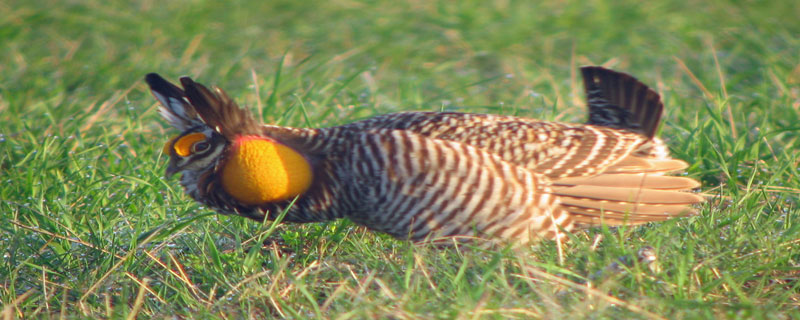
[(223, 142)]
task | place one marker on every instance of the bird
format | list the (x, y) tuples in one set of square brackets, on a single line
[(434, 175)]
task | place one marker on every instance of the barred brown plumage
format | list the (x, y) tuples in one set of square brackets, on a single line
[(430, 174), (449, 197)]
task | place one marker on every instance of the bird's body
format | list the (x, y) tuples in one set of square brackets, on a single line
[(426, 174)]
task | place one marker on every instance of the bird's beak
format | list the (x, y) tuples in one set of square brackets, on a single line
[(172, 169), (173, 166)]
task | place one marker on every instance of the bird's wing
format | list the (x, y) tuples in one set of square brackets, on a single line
[(553, 149), (415, 187), (623, 113)]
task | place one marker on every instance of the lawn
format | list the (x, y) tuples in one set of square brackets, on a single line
[(90, 228)]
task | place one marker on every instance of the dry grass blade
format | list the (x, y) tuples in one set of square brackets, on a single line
[(535, 274)]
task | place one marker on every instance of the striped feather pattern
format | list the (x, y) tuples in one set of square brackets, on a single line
[(430, 188), (551, 148)]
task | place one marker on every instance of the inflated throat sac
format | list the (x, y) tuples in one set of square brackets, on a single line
[(259, 170)]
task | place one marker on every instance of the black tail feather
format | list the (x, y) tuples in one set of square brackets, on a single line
[(618, 100)]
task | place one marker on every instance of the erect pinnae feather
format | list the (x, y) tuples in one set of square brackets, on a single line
[(219, 111), (174, 108)]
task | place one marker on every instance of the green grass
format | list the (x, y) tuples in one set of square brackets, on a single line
[(90, 229)]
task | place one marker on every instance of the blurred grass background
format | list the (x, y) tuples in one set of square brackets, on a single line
[(90, 229)]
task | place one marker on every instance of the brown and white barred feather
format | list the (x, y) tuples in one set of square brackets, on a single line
[(414, 187), (599, 173), (554, 149)]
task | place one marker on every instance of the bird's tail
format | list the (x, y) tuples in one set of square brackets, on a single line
[(618, 100), (629, 193)]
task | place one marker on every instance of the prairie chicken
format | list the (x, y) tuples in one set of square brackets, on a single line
[(416, 175)]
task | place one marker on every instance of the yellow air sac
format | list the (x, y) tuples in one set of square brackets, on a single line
[(259, 171)]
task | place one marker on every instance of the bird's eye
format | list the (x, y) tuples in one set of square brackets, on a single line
[(200, 146), (190, 143)]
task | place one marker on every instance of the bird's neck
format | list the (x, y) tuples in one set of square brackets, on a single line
[(260, 170)]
